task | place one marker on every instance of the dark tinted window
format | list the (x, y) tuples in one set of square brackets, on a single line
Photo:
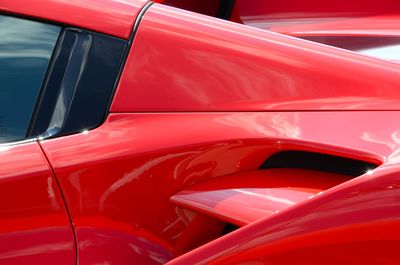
[(25, 51)]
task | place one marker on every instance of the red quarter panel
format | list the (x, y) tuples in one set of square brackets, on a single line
[(182, 61)]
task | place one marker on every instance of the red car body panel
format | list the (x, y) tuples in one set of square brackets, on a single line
[(228, 198), (200, 104), (115, 18), (232, 205), (34, 225), (216, 66), (119, 177), (347, 224)]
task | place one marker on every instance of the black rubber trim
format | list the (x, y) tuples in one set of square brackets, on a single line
[(319, 162), (225, 9), (127, 51)]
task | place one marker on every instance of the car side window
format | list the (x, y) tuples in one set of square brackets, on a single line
[(25, 51)]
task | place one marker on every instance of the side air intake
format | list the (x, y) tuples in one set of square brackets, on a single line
[(318, 161)]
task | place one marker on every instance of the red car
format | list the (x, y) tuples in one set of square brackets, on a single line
[(199, 132)]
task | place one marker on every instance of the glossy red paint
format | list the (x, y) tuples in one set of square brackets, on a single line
[(201, 229), (222, 66), (353, 223), (115, 18), (34, 225), (118, 178), (241, 206), (272, 178), (244, 198)]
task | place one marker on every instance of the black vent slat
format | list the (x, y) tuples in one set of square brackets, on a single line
[(318, 161)]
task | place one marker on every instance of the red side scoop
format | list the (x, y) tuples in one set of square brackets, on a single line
[(244, 198)]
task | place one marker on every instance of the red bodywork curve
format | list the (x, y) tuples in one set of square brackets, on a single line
[(119, 177), (201, 103), (222, 66), (241, 206), (243, 198), (347, 224)]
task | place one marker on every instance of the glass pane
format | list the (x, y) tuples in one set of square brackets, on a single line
[(25, 51)]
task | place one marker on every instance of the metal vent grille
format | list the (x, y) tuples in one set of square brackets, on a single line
[(317, 161)]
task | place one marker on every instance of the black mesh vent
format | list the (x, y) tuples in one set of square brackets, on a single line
[(317, 161)]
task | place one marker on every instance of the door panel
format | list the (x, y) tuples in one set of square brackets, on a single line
[(34, 224)]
